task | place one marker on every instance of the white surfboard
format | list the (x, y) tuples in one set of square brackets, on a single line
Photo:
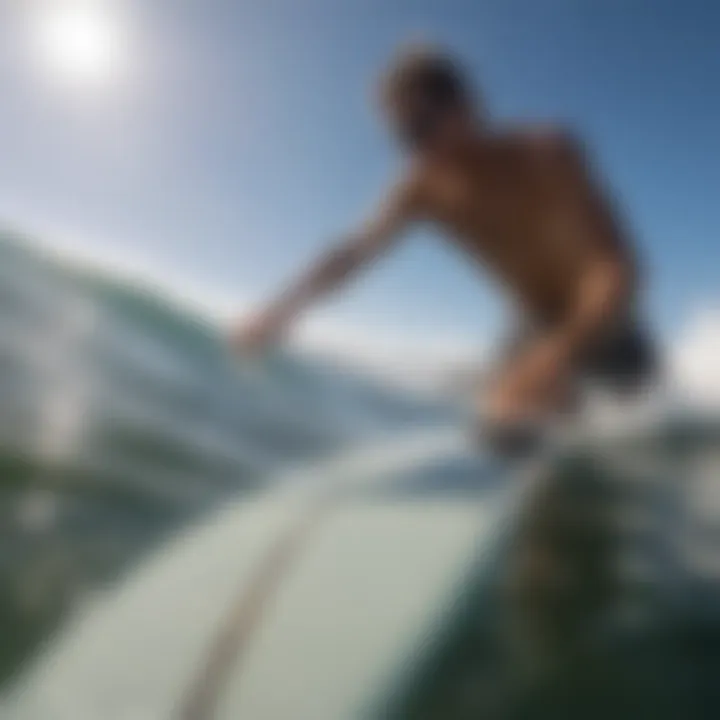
[(360, 587), (318, 600)]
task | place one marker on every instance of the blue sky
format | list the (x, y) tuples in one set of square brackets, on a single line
[(239, 138)]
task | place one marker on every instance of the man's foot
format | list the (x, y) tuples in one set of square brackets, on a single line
[(511, 440)]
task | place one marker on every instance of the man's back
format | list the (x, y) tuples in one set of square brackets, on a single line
[(524, 205)]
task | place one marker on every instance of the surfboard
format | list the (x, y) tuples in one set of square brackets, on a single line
[(373, 574), (329, 597)]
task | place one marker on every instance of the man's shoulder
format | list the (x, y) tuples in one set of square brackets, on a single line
[(543, 140)]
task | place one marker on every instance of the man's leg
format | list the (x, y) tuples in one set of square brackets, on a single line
[(623, 361), (511, 425)]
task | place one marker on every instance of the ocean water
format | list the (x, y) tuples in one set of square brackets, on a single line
[(123, 416)]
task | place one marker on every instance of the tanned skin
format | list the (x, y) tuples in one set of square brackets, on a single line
[(522, 204)]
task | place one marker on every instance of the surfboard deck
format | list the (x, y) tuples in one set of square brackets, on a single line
[(386, 575)]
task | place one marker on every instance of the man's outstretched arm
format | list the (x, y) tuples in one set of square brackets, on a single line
[(332, 270)]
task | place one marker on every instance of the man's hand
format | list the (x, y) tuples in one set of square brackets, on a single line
[(258, 334)]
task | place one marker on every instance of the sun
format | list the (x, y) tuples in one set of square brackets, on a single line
[(80, 41)]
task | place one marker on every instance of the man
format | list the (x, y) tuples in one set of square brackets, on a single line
[(523, 203)]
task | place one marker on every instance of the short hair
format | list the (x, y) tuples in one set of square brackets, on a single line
[(424, 72)]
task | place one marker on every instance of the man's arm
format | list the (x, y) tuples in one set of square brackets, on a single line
[(334, 268)]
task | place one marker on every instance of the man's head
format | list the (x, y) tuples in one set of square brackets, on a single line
[(428, 102)]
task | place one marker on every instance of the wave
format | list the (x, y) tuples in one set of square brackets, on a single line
[(123, 415)]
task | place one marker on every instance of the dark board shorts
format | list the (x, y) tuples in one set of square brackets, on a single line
[(624, 360)]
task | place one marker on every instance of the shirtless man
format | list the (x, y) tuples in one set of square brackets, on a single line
[(524, 204)]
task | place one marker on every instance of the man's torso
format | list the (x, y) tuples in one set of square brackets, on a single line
[(515, 206)]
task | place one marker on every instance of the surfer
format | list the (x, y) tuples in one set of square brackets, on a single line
[(524, 203)]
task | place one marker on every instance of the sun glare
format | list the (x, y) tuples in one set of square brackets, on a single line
[(80, 41)]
